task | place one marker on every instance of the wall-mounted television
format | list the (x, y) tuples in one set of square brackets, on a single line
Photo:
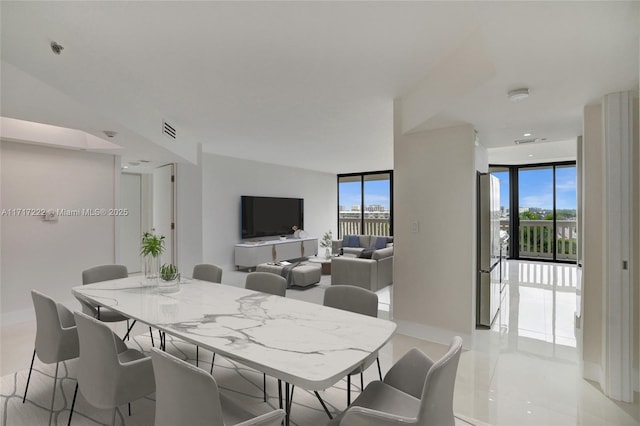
[(270, 216)]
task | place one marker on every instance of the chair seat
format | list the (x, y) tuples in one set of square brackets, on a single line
[(382, 397), (130, 355), (107, 315), (232, 412)]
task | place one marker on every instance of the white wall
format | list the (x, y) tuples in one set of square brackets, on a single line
[(225, 179), (189, 215), (49, 256), (434, 268)]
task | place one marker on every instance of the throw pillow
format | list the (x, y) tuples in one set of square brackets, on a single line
[(381, 242), (351, 241), (366, 253)]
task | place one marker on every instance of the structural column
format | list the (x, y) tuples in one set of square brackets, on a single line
[(617, 354)]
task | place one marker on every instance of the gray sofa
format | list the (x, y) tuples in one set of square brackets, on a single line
[(370, 273)]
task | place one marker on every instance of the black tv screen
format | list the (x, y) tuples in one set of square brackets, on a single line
[(270, 216)]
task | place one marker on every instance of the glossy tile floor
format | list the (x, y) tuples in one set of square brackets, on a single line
[(524, 371)]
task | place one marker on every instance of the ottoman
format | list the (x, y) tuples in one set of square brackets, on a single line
[(303, 275)]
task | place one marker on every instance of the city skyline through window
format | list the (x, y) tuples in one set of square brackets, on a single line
[(365, 203)]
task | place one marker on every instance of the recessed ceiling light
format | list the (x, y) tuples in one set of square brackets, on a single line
[(530, 155), (518, 94), (526, 134)]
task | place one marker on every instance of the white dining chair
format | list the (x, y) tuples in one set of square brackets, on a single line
[(266, 282), (186, 395), (109, 373), (106, 273), (56, 337), (361, 301), (213, 274), (207, 272), (415, 391)]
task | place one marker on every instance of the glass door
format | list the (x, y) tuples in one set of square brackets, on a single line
[(377, 204), (349, 205), (547, 205), (365, 204), (566, 212)]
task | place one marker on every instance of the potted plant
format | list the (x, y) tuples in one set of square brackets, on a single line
[(169, 278), (326, 242), (151, 248)]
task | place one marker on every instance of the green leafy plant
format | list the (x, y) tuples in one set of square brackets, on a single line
[(152, 245), (168, 272), (327, 240)]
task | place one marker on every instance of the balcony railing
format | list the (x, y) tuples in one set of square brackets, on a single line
[(351, 226), (536, 238)]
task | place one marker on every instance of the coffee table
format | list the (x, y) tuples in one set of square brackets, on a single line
[(324, 261)]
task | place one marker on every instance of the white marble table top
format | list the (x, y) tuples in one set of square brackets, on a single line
[(305, 344)]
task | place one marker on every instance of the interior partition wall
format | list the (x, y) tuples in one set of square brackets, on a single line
[(540, 212), (365, 203)]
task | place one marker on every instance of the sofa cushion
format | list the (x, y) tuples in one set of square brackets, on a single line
[(365, 241), (379, 242), (351, 241), (367, 253)]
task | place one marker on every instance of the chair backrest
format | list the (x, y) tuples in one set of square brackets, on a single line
[(96, 275), (206, 272), (53, 344), (185, 394), (352, 298), (98, 362), (266, 282), (436, 403), (104, 273)]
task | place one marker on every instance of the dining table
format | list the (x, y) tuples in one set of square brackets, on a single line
[(303, 344)]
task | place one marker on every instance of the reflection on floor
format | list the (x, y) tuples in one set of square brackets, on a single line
[(524, 371)]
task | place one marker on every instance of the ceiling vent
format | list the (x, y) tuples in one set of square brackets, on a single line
[(530, 140), (168, 130)]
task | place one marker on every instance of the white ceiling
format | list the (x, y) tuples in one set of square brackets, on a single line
[(308, 84)]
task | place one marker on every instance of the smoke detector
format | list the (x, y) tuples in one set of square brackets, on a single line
[(110, 133), (518, 94)]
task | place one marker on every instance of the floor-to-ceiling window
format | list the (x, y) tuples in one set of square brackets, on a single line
[(542, 202), (365, 203)]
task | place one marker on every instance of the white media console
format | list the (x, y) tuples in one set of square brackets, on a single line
[(251, 254)]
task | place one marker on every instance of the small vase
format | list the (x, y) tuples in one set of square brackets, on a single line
[(151, 269), (170, 284), (327, 253)]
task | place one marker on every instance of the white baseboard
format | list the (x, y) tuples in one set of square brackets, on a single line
[(592, 371), (432, 334)]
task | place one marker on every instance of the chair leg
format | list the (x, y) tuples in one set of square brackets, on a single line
[(264, 386), (361, 381), (29, 378), (129, 404), (53, 397), (73, 404), (379, 370), (151, 334), (197, 354), (280, 393), (348, 390)]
